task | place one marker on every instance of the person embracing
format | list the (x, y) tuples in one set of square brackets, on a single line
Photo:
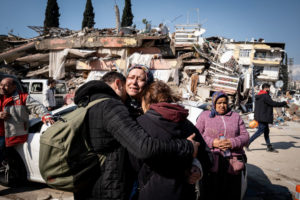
[(137, 77), (167, 177), (113, 133)]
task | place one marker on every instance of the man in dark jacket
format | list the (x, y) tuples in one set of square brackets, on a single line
[(263, 113), (112, 131)]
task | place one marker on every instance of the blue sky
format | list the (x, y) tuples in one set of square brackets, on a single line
[(273, 20)]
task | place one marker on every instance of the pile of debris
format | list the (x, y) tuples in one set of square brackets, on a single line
[(193, 65)]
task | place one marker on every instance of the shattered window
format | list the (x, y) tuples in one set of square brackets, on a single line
[(245, 52), (37, 88), (260, 55), (60, 88)]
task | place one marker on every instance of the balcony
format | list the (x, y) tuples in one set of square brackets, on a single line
[(267, 60)]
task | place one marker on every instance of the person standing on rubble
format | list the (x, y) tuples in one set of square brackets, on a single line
[(49, 95), (263, 113), (15, 108), (113, 132)]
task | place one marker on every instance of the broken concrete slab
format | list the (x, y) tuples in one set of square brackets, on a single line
[(86, 42), (12, 54)]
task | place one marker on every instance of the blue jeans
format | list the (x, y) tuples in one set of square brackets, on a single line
[(262, 128), (2, 147)]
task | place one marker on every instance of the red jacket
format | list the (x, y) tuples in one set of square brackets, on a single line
[(19, 106)]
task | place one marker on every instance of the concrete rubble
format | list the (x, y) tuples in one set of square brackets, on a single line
[(192, 65)]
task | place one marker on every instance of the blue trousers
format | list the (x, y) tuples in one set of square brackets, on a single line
[(262, 128)]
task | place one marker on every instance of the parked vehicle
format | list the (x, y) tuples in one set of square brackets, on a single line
[(35, 88), (23, 160)]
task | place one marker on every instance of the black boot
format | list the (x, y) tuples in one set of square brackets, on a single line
[(271, 149), (247, 148)]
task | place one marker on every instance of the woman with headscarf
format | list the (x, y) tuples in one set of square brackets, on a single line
[(137, 77), (226, 135)]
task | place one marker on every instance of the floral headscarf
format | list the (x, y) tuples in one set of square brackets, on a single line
[(146, 69), (215, 97)]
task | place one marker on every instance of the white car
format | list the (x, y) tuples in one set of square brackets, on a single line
[(35, 88), (22, 161)]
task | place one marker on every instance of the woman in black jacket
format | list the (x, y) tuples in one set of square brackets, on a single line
[(167, 178)]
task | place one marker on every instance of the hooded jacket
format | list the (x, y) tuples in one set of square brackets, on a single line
[(164, 178), (19, 106), (264, 107), (112, 131)]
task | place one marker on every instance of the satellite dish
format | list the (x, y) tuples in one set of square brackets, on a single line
[(279, 84), (200, 32), (226, 56)]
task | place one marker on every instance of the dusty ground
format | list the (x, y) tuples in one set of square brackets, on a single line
[(275, 175), (270, 175)]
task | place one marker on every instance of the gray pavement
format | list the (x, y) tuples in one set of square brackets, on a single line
[(274, 175)]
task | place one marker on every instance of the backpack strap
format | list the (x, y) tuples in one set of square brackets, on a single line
[(92, 103), (101, 157)]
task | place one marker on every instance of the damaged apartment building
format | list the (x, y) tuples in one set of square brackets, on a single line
[(192, 65)]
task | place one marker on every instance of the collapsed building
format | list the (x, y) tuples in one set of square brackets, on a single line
[(192, 65)]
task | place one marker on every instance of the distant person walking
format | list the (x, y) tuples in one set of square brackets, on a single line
[(49, 95), (263, 113)]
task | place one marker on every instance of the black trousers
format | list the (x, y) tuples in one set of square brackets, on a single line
[(263, 128), (221, 185)]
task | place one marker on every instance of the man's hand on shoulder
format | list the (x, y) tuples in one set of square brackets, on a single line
[(195, 144)]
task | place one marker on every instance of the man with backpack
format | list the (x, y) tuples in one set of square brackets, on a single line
[(112, 131)]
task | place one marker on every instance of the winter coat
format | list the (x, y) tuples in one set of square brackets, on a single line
[(264, 107), (19, 106), (230, 124), (165, 178), (112, 131), (49, 97)]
